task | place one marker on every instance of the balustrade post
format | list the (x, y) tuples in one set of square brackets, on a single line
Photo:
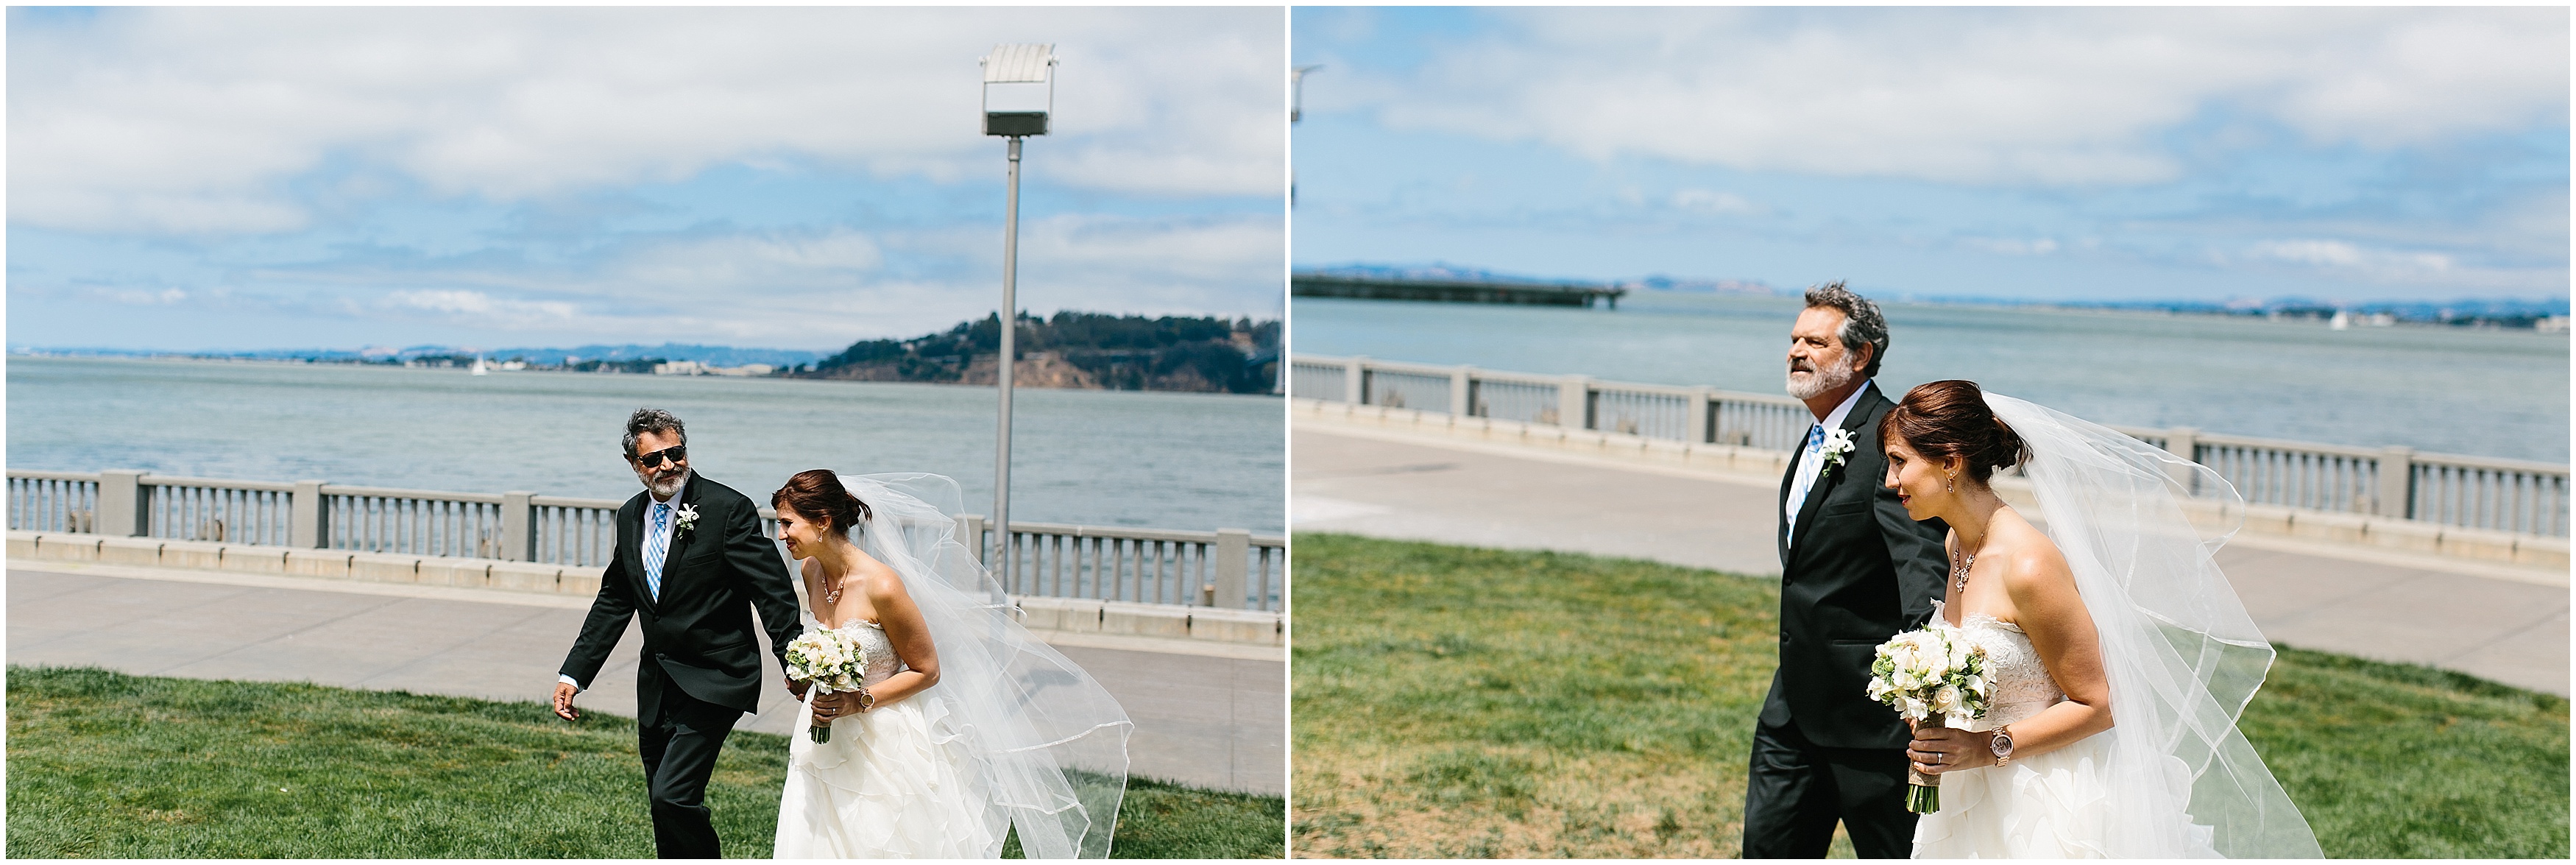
[(970, 531), (124, 507), (1574, 402), (1697, 432), (518, 527), (308, 523), (1461, 400), (2396, 482), (1233, 548), (2184, 442), (1355, 380)]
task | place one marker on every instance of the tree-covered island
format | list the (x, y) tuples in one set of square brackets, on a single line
[(1076, 350)]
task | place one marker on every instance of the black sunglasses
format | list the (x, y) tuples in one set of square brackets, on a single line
[(676, 453)]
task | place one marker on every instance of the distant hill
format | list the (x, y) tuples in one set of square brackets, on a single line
[(1077, 350)]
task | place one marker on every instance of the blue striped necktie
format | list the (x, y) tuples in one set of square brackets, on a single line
[(657, 545), (1806, 477)]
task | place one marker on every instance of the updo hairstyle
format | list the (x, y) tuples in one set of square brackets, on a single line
[(818, 495), (1946, 419)]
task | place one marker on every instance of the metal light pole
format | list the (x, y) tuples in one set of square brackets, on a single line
[(1019, 93), (1296, 112)]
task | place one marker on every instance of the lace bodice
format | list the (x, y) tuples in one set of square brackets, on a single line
[(871, 637), (2017, 681)]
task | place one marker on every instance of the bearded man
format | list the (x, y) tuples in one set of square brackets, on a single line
[(1854, 571)]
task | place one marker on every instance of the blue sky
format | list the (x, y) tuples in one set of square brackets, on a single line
[(2063, 154), (193, 179)]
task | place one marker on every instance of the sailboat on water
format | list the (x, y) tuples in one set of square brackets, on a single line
[(481, 368)]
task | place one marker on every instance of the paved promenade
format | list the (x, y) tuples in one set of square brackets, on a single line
[(2499, 622), (1208, 715)]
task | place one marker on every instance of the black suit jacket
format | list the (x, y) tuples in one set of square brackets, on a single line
[(1857, 571), (698, 635)]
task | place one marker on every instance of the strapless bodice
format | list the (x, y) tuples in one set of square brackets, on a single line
[(2017, 682), (871, 638)]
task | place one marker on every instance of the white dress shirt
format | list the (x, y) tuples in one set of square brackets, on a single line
[(1811, 463)]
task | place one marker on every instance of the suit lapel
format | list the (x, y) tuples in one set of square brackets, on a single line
[(679, 539), (1832, 477), (630, 535), (1788, 482), (671, 556)]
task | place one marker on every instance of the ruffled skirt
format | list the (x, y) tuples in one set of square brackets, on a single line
[(894, 783), (2057, 805)]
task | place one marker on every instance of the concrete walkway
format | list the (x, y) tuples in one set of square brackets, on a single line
[(1208, 715), (2498, 622)]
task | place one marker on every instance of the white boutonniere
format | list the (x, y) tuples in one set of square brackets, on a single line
[(688, 518), (1838, 442)]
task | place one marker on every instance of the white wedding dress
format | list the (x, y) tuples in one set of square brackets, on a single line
[(2046, 806), (895, 782), (2173, 778), (1014, 740)]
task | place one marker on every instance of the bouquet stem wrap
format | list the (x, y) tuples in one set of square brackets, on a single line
[(1923, 792)]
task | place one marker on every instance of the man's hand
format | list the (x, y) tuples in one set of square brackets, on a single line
[(796, 689), (563, 701)]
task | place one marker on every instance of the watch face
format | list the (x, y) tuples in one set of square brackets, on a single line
[(2003, 745)]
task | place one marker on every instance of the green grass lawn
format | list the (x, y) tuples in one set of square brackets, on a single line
[(1463, 702), (108, 765)]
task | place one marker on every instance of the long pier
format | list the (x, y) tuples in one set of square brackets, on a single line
[(1454, 291)]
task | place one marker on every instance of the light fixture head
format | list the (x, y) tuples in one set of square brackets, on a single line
[(1019, 88)]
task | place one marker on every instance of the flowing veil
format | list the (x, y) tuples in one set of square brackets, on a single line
[(2139, 528), (1049, 745)]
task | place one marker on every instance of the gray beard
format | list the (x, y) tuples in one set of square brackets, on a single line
[(1824, 380), (664, 489)]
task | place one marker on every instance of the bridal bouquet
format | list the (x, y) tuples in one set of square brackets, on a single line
[(1927, 676), (831, 661)]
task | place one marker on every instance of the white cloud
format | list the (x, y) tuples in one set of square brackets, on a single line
[(1726, 203), (200, 119), (2014, 246), (139, 297), (750, 262), (2340, 254), (481, 309), (2028, 96), (802, 289)]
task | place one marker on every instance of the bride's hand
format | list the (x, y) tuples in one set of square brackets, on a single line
[(1940, 749), (827, 706)]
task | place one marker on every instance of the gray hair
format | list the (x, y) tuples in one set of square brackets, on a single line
[(1861, 322), (653, 420)]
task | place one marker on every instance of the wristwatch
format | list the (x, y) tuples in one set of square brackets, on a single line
[(2002, 744), (869, 701)]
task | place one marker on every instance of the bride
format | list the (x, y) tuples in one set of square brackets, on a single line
[(2118, 658), (966, 727)]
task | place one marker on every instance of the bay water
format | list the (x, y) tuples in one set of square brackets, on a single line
[(1114, 458), (2486, 392)]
